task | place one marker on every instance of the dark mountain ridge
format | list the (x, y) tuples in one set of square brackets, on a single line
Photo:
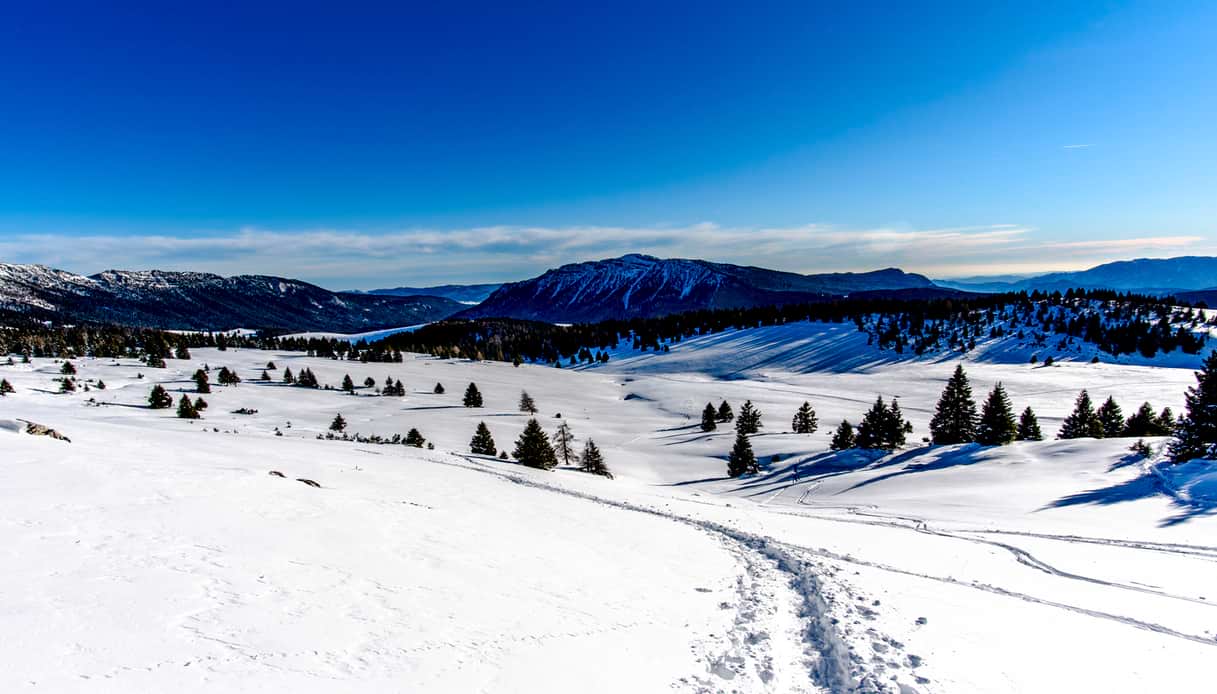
[(203, 301)]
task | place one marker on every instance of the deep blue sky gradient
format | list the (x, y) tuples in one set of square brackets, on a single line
[(121, 119)]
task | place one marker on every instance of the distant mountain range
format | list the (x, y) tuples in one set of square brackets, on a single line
[(1144, 275), (642, 286), (200, 301), (464, 293), (630, 286)]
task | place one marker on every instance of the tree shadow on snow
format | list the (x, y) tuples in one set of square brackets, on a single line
[(946, 457), (1141, 487)]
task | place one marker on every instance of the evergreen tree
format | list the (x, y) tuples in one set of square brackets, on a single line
[(101, 385), (159, 399), (1167, 420), (202, 382), (1196, 431), (182, 351), (996, 426), (339, 424), (843, 438), (955, 419), (1144, 422), (1083, 421), (724, 412), (482, 442), (68, 369), (306, 379), (883, 427), (742, 460), (439, 389), (473, 397), (265, 376), (186, 409), (749, 421), (526, 403), (200, 404), (347, 384), (1028, 427), (708, 416), (564, 441), (414, 438), (228, 377), (270, 366), (5, 387), (805, 421), (533, 448), (287, 375), (369, 383), (592, 461), (1111, 418), (67, 385)]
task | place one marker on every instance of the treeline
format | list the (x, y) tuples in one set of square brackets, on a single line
[(34, 339), (1117, 323)]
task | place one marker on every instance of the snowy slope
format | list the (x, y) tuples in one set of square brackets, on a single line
[(153, 552)]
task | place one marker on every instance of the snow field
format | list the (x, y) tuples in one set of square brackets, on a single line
[(149, 541)]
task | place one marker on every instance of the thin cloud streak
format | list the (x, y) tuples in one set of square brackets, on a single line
[(353, 259)]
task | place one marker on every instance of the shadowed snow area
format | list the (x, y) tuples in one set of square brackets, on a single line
[(153, 553)]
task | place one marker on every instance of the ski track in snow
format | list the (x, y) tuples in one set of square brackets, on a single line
[(833, 664)]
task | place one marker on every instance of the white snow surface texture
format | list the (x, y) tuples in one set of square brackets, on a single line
[(151, 553)]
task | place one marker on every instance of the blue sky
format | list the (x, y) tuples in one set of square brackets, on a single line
[(362, 145)]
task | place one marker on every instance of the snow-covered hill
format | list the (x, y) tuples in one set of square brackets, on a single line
[(640, 285), (152, 552), (201, 301)]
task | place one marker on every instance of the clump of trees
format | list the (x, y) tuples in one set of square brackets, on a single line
[(159, 398)]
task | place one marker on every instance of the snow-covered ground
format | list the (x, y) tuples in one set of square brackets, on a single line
[(152, 553)]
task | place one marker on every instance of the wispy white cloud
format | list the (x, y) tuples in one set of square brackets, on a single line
[(1079, 146), (344, 259)]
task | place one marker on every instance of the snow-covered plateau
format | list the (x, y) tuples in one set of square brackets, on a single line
[(151, 553)]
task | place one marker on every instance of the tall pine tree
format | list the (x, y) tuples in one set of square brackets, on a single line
[(749, 421), (742, 460), (1111, 417), (473, 397), (593, 461), (996, 426), (482, 442), (954, 419), (805, 421), (724, 412), (533, 448), (843, 438), (1028, 427), (564, 441), (1083, 421), (1196, 431), (708, 418), (526, 403)]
